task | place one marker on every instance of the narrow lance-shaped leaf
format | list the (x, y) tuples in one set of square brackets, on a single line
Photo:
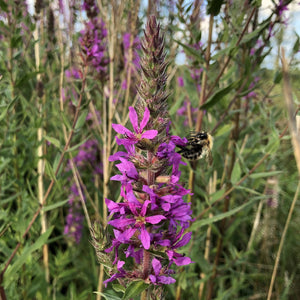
[(10, 273), (222, 216), (219, 95), (192, 51), (135, 289)]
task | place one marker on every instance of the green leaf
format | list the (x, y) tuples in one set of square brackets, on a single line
[(192, 51), (248, 37), (108, 296), (134, 289), (66, 121), (21, 260), (273, 144), (296, 45), (265, 174), (4, 112), (249, 190), (81, 120), (77, 145), (55, 205), (55, 163), (176, 105), (4, 163), (119, 288), (222, 216), (277, 77), (215, 196), (236, 173), (49, 171), (53, 141), (15, 41), (226, 51), (3, 6), (219, 95), (224, 129)]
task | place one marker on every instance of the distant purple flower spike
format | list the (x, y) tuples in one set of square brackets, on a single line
[(180, 81)]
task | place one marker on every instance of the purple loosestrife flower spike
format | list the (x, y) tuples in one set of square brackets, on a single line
[(150, 222), (93, 41)]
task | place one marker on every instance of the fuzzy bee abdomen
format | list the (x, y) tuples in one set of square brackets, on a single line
[(193, 153)]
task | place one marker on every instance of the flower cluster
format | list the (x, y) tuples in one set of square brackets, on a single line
[(93, 39), (74, 219), (187, 109), (149, 224), (87, 157), (131, 62), (136, 46)]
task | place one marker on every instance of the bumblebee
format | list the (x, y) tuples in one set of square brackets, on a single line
[(199, 145)]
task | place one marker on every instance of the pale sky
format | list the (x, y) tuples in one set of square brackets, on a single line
[(292, 15)]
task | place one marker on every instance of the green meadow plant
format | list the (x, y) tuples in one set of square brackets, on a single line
[(98, 101)]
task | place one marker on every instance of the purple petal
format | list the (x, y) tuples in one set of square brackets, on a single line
[(185, 239), (154, 219), (149, 134), (117, 177), (112, 278), (152, 278), (132, 200), (145, 119), (126, 235), (156, 266), (127, 142), (121, 223), (171, 198), (166, 206), (178, 141), (121, 129), (166, 280), (164, 243), (144, 208), (117, 156), (124, 165), (132, 207), (182, 261), (111, 205), (134, 119), (120, 264), (145, 238)]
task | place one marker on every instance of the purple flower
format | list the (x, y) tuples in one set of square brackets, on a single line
[(139, 133), (121, 273), (124, 85), (138, 221), (281, 7), (128, 170), (73, 73), (158, 278), (136, 46), (180, 81), (74, 219), (93, 40)]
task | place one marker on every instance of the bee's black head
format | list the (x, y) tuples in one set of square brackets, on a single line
[(202, 135)]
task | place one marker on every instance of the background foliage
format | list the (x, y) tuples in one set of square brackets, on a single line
[(50, 72)]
